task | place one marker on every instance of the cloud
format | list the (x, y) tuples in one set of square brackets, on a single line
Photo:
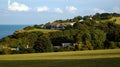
[(116, 9), (42, 9), (15, 6), (58, 10), (97, 10), (71, 9)]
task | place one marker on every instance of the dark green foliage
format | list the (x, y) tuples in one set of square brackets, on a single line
[(66, 36), (69, 48), (98, 38), (76, 19), (43, 44), (96, 16), (105, 16), (5, 51), (69, 27), (80, 26)]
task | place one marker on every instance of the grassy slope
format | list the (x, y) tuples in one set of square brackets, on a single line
[(32, 30), (99, 58), (117, 20)]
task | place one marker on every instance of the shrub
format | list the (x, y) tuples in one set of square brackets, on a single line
[(5, 51), (112, 45)]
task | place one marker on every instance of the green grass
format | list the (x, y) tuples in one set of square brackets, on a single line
[(42, 30), (93, 58), (117, 19), (32, 30)]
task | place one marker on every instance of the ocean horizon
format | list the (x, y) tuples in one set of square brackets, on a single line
[(6, 30)]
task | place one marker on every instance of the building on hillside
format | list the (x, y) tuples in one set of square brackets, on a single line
[(66, 44), (72, 23), (55, 26), (60, 26), (81, 20)]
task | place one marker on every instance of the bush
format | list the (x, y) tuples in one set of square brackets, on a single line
[(5, 51), (30, 50), (58, 49), (118, 44), (14, 52), (112, 45), (69, 48), (79, 46), (89, 45)]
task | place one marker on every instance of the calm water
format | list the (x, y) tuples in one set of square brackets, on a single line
[(6, 30)]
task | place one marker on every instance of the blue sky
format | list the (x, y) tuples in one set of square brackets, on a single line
[(43, 11)]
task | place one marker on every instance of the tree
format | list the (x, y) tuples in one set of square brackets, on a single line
[(43, 44), (79, 46), (98, 38), (80, 26), (96, 16), (76, 19)]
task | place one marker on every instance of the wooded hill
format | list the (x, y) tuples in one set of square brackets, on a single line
[(100, 31)]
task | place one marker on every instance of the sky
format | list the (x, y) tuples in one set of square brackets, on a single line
[(22, 12)]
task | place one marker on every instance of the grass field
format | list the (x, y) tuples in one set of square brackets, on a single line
[(117, 19), (93, 58), (42, 30)]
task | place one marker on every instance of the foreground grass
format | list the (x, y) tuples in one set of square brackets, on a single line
[(99, 58)]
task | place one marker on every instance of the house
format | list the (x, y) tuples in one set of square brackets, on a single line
[(66, 44), (81, 20), (60, 26), (13, 49), (91, 18), (72, 23), (55, 26), (42, 26)]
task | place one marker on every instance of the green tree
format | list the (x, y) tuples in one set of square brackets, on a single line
[(80, 26), (43, 44), (98, 38), (79, 46), (76, 19)]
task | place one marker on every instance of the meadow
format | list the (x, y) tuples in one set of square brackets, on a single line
[(37, 30), (92, 58), (113, 18), (117, 19)]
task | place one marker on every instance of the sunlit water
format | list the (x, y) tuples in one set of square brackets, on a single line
[(6, 30)]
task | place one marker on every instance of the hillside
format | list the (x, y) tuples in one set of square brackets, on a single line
[(100, 31), (99, 58)]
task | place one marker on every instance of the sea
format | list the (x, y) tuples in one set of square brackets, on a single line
[(6, 30)]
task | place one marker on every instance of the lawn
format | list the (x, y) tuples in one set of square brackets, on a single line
[(43, 30), (35, 30), (117, 19), (93, 58), (113, 18)]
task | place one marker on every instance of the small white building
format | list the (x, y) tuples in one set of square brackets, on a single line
[(72, 23), (66, 44), (81, 20)]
